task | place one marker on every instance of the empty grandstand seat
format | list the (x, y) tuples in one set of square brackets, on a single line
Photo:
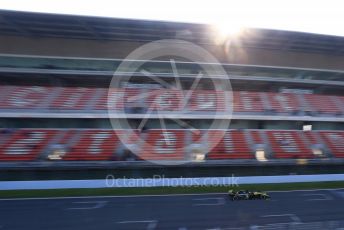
[(247, 102), (123, 100), (207, 100), (101, 144), (197, 148), (101, 103), (137, 100), (93, 145), (163, 145), (228, 145), (283, 102), (73, 98), (25, 144), (288, 144), (256, 137), (316, 143), (321, 104), (164, 100), (335, 141), (23, 97), (312, 138)]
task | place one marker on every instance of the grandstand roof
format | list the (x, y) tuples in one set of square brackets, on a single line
[(101, 28)]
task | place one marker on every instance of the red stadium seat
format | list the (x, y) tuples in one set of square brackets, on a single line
[(321, 104), (283, 102), (247, 102), (73, 98), (163, 145), (136, 100), (24, 97), (25, 144), (228, 145), (119, 99), (93, 145), (103, 145), (207, 100), (288, 144), (256, 137), (164, 100), (335, 141)]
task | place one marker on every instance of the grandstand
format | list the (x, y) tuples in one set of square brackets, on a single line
[(286, 102)]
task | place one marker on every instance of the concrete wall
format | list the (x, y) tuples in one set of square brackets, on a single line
[(120, 49), (110, 181)]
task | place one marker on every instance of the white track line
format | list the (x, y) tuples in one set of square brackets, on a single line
[(293, 217), (151, 224), (94, 205), (218, 201)]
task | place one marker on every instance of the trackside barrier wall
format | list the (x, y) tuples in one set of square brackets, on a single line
[(110, 181)]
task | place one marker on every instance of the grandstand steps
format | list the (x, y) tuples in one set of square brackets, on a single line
[(72, 98), (339, 104), (105, 144), (304, 107), (305, 145), (69, 139), (321, 104), (165, 100), (266, 102), (197, 143), (232, 145), (94, 145), (257, 142), (49, 100), (26, 144), (163, 145), (49, 148), (287, 144), (294, 104), (228, 102), (335, 141), (248, 102), (54, 92), (285, 103), (314, 140), (97, 93), (101, 99), (262, 136), (128, 140), (249, 140)]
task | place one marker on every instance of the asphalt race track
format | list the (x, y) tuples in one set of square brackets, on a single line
[(318, 209)]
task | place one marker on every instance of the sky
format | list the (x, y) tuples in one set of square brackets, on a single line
[(314, 16)]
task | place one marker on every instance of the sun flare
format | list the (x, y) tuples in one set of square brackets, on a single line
[(229, 29)]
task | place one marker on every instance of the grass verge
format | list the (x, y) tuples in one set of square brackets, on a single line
[(164, 190)]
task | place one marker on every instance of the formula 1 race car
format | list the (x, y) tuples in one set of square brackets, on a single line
[(240, 195), (247, 195)]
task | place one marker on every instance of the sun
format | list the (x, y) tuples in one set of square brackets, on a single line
[(229, 29)]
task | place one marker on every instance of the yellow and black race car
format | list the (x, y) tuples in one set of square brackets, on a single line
[(259, 195), (247, 195)]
